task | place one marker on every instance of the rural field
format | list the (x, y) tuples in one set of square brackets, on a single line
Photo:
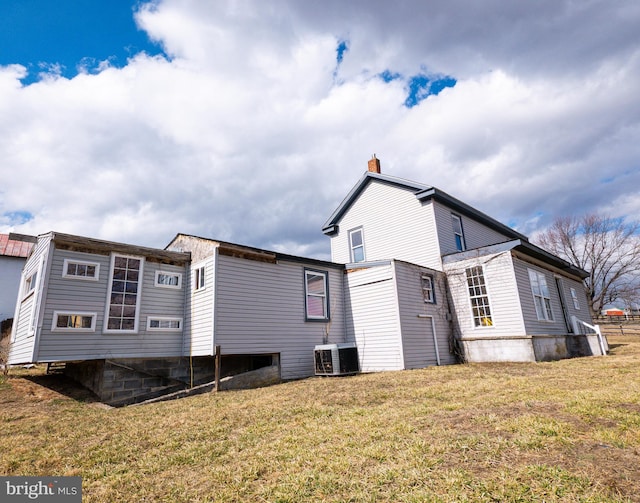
[(558, 431)]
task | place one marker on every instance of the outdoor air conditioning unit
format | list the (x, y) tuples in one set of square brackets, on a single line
[(336, 359)]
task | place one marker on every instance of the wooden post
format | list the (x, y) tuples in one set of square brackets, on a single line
[(217, 369)]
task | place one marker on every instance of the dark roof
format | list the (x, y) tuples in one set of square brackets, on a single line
[(16, 245), (422, 193), (525, 248)]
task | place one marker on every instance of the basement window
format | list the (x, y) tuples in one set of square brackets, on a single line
[(164, 323)]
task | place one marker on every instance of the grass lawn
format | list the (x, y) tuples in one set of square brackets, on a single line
[(557, 431)]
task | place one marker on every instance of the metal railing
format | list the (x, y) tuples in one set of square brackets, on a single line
[(584, 328)]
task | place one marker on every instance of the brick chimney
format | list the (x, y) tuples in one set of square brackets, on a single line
[(374, 164)]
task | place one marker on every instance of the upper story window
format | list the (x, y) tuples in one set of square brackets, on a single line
[(458, 234), (199, 278), (541, 296), (80, 269), (480, 308), (316, 295), (427, 289), (574, 296), (356, 245), (168, 279), (124, 294), (30, 283)]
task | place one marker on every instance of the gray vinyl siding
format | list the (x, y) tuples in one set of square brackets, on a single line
[(24, 333), (200, 309), (417, 329), (504, 296), (373, 320), (476, 234), (395, 225), (533, 325), (260, 310), (77, 295)]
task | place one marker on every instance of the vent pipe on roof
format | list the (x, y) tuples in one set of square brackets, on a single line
[(374, 164)]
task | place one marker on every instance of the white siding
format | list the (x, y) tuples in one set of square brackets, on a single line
[(24, 333), (503, 294), (76, 295), (200, 308), (416, 315), (373, 318), (476, 234), (260, 310), (395, 225)]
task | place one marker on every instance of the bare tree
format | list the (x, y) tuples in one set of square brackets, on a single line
[(607, 248)]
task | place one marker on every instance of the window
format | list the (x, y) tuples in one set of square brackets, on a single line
[(124, 294), (80, 270), (427, 289), (456, 221), (574, 296), (168, 279), (164, 323), (315, 287), (30, 283), (73, 322), (356, 243), (479, 297), (541, 296), (199, 279)]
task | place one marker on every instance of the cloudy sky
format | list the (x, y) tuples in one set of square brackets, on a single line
[(249, 121)]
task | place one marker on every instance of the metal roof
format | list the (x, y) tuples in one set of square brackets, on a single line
[(16, 245)]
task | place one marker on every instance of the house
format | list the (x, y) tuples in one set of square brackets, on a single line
[(509, 299), (14, 250), (416, 278)]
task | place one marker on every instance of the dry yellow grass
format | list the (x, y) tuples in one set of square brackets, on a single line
[(558, 431)]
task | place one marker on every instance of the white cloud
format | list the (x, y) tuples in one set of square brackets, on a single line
[(246, 134)]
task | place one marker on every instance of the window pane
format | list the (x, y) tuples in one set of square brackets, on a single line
[(315, 284), (356, 238), (358, 254), (315, 307), (63, 321)]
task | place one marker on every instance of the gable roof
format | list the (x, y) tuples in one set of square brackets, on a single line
[(16, 245), (422, 193)]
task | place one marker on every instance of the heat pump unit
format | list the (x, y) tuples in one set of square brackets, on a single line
[(336, 359)]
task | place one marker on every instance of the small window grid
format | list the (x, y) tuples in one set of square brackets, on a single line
[(316, 295), (199, 278), (480, 308), (428, 292), (122, 314), (541, 296), (168, 279), (80, 270), (73, 321), (356, 244)]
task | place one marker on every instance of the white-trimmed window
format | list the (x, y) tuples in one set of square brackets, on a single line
[(166, 279), (356, 245), (125, 283), (164, 323), (316, 295), (574, 297), (78, 269), (541, 296), (428, 292), (480, 308), (456, 222), (30, 283), (73, 321), (199, 278)]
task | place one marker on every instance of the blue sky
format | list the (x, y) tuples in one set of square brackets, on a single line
[(39, 34), (250, 121)]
